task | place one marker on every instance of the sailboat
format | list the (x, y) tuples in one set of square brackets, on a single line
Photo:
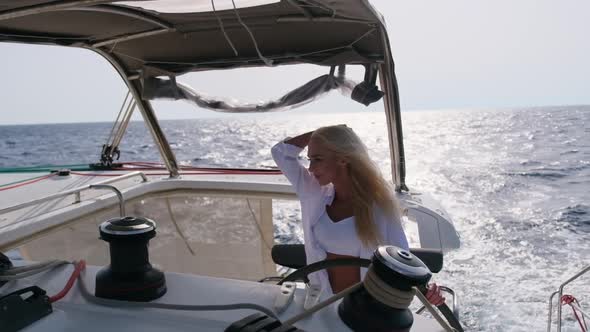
[(209, 230)]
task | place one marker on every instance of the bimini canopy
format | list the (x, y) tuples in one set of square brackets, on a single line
[(158, 38), (149, 39)]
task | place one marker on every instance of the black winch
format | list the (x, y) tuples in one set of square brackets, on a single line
[(400, 268), (130, 276), (381, 303)]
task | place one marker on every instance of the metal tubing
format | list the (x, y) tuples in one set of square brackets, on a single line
[(455, 302), (455, 305), (391, 133), (159, 138), (393, 115), (433, 312), (576, 276), (148, 115), (44, 8), (392, 108), (70, 192), (551, 310), (117, 191)]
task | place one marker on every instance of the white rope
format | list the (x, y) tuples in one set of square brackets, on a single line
[(178, 230), (122, 128), (223, 29), (264, 240), (277, 57), (266, 61), (380, 291), (386, 294), (118, 117), (395, 298), (27, 268), (47, 267), (579, 309)]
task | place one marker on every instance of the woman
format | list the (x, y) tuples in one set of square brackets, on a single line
[(347, 207)]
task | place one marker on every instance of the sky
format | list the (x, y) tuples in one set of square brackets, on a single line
[(454, 54)]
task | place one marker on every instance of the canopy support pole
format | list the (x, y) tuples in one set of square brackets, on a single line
[(393, 115), (148, 116)]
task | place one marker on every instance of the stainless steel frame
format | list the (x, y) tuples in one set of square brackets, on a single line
[(117, 192), (386, 75), (560, 292), (455, 302), (148, 116), (443, 323), (75, 192), (393, 116), (392, 108)]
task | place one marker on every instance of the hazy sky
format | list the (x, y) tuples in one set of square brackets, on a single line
[(448, 54)]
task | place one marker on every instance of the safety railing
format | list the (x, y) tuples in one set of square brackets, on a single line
[(76, 192), (560, 292), (455, 301)]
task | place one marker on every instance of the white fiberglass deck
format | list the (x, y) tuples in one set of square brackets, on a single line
[(74, 313), (23, 225)]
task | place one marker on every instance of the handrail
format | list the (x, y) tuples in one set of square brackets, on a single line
[(455, 304), (75, 191), (560, 292), (117, 192)]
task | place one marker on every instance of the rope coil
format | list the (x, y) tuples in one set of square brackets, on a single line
[(386, 294)]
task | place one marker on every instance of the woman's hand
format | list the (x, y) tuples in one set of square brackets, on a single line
[(434, 295), (301, 140)]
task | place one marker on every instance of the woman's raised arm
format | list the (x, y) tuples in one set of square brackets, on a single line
[(285, 155), (300, 141)]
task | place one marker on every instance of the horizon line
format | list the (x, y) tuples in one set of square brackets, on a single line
[(213, 115)]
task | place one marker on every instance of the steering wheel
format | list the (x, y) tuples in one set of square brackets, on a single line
[(303, 272)]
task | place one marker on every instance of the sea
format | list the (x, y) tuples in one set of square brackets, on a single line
[(516, 183)]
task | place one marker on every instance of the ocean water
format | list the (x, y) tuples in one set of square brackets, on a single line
[(516, 183)]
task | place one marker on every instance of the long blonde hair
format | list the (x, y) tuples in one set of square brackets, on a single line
[(369, 188)]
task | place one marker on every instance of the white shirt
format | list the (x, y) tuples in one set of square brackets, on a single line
[(337, 237), (314, 199)]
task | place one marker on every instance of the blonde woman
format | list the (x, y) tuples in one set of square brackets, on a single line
[(347, 207)]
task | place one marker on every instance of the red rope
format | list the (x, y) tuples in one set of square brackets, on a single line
[(143, 162), (81, 265), (27, 182), (569, 299)]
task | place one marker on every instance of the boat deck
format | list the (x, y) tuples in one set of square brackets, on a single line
[(75, 313)]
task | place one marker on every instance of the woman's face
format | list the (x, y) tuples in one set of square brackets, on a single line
[(324, 164)]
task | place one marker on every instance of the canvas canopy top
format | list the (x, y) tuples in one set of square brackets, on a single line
[(149, 39), (325, 32)]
